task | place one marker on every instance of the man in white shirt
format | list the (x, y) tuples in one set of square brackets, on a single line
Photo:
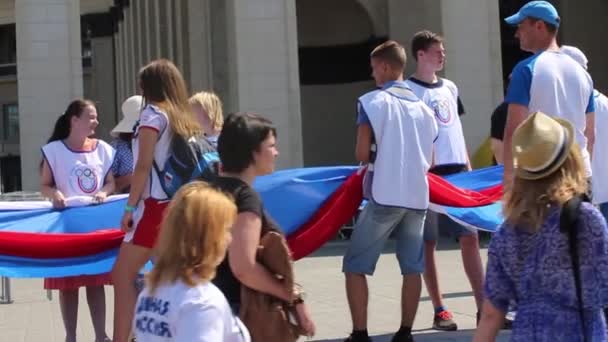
[(450, 157), (549, 81), (395, 134)]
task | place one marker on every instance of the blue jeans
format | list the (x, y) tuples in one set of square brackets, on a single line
[(373, 228)]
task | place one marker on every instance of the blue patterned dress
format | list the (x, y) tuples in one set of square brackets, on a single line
[(534, 271), (123, 162)]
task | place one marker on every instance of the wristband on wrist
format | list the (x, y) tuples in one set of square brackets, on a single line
[(129, 208)]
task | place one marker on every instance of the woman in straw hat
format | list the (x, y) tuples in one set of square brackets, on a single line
[(122, 168), (529, 261)]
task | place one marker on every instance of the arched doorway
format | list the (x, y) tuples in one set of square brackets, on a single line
[(334, 39)]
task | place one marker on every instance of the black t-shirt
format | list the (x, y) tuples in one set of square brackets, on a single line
[(246, 200), (499, 121)]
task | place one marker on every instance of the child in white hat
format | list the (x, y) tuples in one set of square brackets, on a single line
[(123, 133)]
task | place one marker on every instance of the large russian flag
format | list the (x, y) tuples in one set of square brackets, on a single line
[(310, 205)]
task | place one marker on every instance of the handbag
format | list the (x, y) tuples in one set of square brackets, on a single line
[(269, 318)]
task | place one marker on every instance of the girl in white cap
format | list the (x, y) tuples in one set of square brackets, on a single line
[(123, 133)]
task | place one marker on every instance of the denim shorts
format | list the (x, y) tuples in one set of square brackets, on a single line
[(373, 228), (435, 221)]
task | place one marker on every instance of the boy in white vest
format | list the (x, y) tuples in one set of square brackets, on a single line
[(400, 130), (451, 156)]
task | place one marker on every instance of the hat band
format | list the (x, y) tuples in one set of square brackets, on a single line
[(558, 156)]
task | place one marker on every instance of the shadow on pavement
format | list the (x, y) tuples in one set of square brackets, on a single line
[(452, 336), (339, 247)]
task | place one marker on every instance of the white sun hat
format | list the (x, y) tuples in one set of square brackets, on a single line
[(130, 112)]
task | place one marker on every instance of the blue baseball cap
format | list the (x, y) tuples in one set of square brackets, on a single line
[(542, 10)]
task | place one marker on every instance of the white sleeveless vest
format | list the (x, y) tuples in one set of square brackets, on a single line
[(404, 129), (78, 173), (443, 100)]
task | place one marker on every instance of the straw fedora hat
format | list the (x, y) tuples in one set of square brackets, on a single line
[(130, 114), (541, 145)]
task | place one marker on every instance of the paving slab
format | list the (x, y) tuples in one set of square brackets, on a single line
[(33, 318)]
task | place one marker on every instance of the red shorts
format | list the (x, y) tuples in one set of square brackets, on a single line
[(146, 222)]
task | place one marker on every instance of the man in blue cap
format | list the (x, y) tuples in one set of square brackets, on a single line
[(549, 81)]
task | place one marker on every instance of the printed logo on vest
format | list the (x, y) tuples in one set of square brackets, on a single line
[(85, 178), (441, 107)]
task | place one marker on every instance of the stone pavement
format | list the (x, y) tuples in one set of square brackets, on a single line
[(32, 318)]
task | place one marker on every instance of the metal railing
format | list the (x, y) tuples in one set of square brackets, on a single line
[(5, 282), (5, 291)]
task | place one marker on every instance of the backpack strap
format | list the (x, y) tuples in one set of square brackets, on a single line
[(159, 172), (568, 222)]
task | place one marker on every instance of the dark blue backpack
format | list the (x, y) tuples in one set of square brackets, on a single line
[(189, 159)]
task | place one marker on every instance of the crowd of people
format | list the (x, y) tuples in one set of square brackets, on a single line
[(209, 276)]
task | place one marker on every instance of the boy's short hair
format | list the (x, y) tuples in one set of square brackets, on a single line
[(423, 40), (392, 53)]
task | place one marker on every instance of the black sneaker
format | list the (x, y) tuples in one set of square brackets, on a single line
[(402, 337), (351, 338), (443, 321)]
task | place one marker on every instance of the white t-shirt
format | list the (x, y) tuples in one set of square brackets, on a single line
[(180, 313), (153, 117), (442, 98), (78, 173), (555, 84), (600, 150)]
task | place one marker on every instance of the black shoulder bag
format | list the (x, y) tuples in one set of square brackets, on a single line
[(568, 223)]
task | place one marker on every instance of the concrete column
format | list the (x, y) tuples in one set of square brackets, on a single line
[(168, 14), (472, 41), (105, 97), (131, 49), (199, 43), (145, 30), (137, 36), (124, 65), (156, 23), (49, 73), (119, 64), (263, 67), (179, 36)]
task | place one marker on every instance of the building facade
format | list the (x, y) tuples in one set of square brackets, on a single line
[(302, 63)]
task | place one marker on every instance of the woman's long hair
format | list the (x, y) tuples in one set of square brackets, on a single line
[(193, 237), (527, 202), (63, 123), (162, 83)]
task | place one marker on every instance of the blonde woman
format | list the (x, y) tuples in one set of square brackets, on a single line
[(179, 302), (207, 107), (165, 114), (529, 260)]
